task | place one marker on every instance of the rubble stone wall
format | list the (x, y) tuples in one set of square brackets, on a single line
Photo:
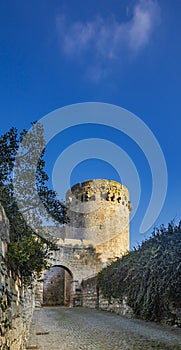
[(16, 302), (92, 297)]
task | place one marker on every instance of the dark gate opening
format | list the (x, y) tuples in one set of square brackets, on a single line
[(57, 286)]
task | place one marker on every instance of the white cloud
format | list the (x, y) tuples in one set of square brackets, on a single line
[(109, 39), (143, 23)]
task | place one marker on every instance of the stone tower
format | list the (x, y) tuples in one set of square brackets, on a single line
[(96, 234), (98, 212)]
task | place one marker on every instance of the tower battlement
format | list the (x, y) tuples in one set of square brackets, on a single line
[(94, 190)]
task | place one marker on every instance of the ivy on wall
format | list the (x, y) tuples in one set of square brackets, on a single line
[(149, 276)]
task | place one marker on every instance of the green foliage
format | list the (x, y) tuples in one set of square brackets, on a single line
[(150, 276), (28, 249), (29, 255)]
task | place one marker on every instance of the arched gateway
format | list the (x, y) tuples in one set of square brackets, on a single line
[(96, 234), (57, 286)]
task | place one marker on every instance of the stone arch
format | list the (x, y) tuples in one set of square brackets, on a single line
[(57, 286)]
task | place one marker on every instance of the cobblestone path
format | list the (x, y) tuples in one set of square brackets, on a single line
[(61, 328)]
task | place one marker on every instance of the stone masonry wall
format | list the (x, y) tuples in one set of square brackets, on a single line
[(79, 261), (53, 286), (16, 302), (93, 298), (57, 286), (90, 293)]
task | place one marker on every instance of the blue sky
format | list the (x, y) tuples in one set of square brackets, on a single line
[(126, 53)]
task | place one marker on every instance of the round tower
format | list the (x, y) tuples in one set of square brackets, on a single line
[(98, 212)]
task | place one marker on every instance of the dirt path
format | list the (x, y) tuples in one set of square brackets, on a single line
[(60, 328)]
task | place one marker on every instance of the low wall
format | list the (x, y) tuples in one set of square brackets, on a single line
[(16, 302), (90, 293), (93, 298)]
